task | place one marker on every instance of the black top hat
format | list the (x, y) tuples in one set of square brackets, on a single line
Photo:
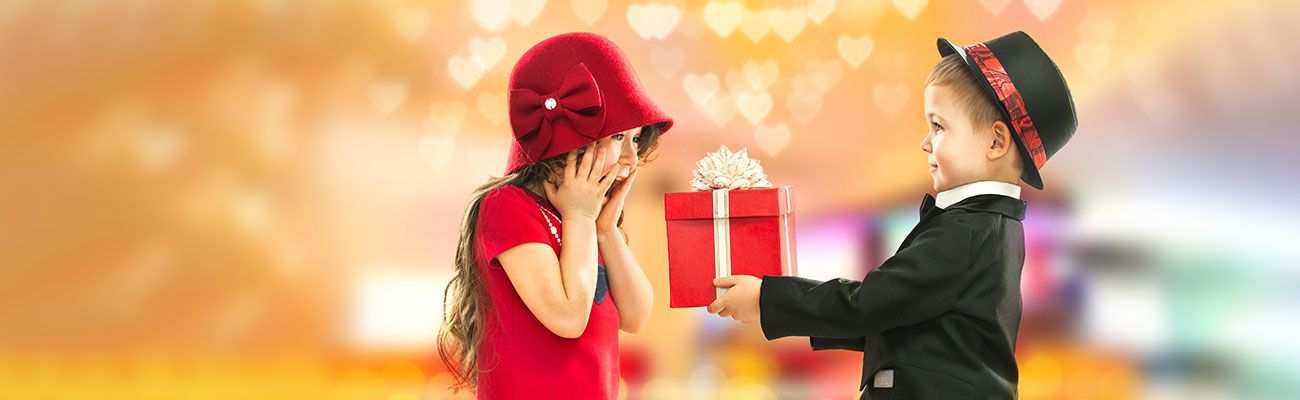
[(1029, 90)]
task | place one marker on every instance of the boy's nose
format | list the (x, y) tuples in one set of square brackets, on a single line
[(925, 144)]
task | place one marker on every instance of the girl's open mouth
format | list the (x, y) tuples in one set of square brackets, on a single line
[(617, 181)]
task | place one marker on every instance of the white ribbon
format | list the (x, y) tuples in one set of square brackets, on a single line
[(721, 236), (785, 244)]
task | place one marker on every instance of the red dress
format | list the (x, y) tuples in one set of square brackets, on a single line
[(519, 357)]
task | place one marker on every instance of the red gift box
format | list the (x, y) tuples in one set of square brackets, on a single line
[(726, 232)]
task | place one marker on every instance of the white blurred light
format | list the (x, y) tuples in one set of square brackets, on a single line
[(396, 310), (706, 382), (1186, 220), (1126, 312), (832, 249)]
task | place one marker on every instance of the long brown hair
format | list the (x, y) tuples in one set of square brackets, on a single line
[(464, 299)]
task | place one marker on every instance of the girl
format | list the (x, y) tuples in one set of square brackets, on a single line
[(544, 277)]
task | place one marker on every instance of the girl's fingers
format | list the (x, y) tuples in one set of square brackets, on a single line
[(627, 183), (584, 169), (600, 160), (626, 186), (571, 165), (551, 189), (607, 179)]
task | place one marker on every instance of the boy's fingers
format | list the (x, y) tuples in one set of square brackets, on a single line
[(715, 306), (725, 282), (726, 312)]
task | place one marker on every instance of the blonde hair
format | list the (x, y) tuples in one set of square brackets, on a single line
[(464, 300), (951, 71)]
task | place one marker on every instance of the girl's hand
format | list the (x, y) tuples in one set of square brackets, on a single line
[(581, 188), (607, 221)]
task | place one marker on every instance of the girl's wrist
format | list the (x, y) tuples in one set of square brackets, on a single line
[(576, 216), (611, 236)]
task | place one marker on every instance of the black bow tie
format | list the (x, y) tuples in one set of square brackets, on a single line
[(927, 205)]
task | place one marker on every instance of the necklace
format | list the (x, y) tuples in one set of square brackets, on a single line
[(547, 214)]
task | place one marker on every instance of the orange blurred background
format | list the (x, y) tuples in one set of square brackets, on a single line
[(260, 198)]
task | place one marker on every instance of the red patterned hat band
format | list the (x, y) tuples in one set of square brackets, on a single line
[(1010, 99)]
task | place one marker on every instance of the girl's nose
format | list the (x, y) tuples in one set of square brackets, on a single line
[(627, 159), (629, 152)]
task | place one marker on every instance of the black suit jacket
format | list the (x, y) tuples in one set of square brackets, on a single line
[(942, 312)]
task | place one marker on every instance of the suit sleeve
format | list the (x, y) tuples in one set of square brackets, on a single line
[(822, 343), (920, 282)]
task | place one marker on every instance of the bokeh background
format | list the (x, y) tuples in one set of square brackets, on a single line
[(259, 199)]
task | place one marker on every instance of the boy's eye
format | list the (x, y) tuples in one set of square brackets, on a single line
[(936, 126)]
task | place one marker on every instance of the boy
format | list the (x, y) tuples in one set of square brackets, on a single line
[(938, 319)]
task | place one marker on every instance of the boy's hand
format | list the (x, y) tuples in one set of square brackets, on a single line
[(740, 302)]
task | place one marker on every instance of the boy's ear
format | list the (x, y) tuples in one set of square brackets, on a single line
[(1002, 142)]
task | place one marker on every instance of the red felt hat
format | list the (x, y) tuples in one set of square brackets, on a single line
[(570, 90)]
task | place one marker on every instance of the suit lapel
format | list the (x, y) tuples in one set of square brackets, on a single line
[(928, 210)]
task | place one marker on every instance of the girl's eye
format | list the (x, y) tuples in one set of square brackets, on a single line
[(618, 136), (637, 139)]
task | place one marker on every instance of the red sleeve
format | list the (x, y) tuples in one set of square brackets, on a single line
[(508, 218)]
